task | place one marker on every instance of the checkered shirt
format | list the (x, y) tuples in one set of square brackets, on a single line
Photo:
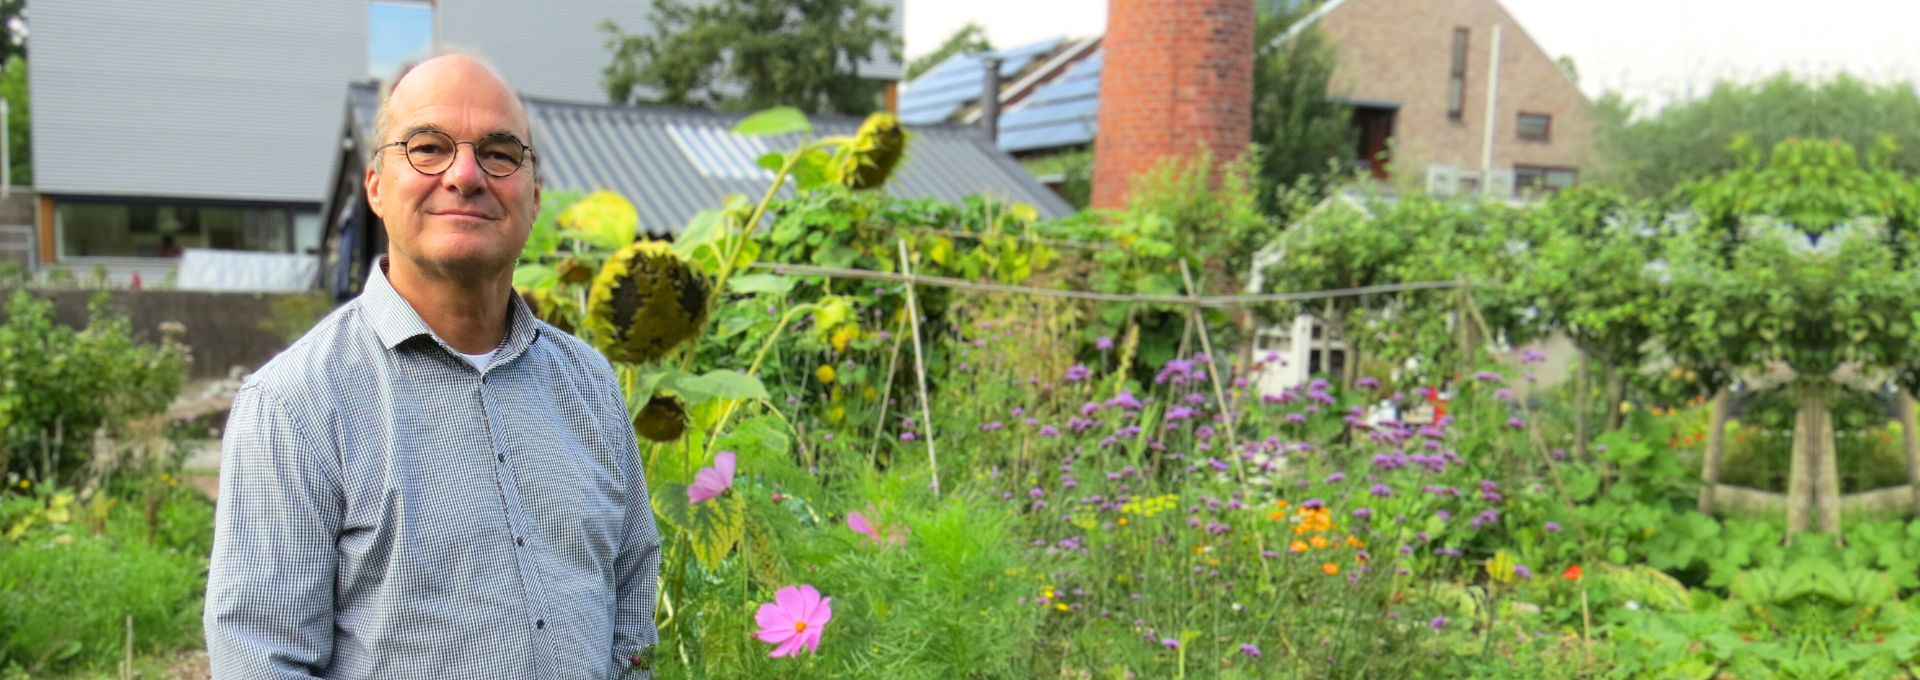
[(388, 511)]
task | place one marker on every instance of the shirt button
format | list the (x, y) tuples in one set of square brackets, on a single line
[(503, 458), (541, 623), (520, 541)]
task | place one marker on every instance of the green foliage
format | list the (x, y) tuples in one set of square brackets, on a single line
[(294, 315), (55, 380), (970, 39), (1303, 135), (67, 588), (777, 52), (1650, 154), (13, 88)]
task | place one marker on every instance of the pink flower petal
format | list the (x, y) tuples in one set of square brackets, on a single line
[(709, 482), (820, 616), (858, 522), (793, 602), (772, 618), (789, 648)]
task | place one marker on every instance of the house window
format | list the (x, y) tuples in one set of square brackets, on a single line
[(87, 229), (1457, 77), (397, 30), (1540, 179), (1535, 126)]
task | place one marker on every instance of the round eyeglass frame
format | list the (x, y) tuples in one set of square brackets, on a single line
[(526, 151)]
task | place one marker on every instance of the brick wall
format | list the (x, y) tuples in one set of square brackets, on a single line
[(1178, 76), (1400, 51)]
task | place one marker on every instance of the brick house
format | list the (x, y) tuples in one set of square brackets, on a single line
[(1418, 74)]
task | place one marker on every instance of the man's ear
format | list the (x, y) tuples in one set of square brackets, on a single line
[(373, 190)]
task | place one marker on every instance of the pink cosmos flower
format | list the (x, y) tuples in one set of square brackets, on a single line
[(712, 481), (793, 620), (860, 523)]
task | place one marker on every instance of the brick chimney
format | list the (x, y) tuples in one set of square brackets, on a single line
[(1178, 75)]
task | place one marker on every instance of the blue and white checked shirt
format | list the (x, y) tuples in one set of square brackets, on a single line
[(388, 511)]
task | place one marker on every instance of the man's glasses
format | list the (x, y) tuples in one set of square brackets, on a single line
[(431, 152)]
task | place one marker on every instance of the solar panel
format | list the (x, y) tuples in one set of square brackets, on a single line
[(1059, 113), (938, 94)]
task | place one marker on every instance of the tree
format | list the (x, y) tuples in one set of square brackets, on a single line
[(13, 88), (970, 39), (1652, 152), (1298, 129), (754, 54)]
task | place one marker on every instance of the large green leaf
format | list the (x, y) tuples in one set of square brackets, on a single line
[(779, 120), (719, 383), (713, 525), (603, 218), (700, 231), (534, 276), (761, 283)]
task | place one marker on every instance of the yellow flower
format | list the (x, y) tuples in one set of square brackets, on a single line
[(1123, 521), (1062, 606), (841, 336), (825, 374)]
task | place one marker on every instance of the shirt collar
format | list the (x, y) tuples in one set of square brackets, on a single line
[(394, 320)]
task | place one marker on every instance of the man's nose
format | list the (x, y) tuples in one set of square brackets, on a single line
[(465, 175)]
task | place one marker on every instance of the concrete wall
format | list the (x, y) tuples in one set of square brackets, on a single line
[(222, 328), (1401, 51)]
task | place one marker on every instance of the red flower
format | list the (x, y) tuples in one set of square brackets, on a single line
[(1572, 573)]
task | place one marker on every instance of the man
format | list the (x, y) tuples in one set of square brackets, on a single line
[(433, 483)]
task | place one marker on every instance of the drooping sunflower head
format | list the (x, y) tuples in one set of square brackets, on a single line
[(645, 302), (574, 270), (663, 419), (875, 151)]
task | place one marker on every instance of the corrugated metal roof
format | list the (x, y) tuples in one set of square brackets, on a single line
[(1060, 113), (940, 92), (674, 162)]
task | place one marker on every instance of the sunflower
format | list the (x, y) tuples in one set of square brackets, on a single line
[(663, 419), (645, 302), (875, 151)]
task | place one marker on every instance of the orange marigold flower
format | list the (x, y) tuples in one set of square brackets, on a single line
[(1276, 515), (1123, 521), (1298, 546), (1355, 542), (1319, 542), (1330, 568)]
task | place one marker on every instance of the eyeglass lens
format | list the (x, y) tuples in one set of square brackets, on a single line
[(433, 152)]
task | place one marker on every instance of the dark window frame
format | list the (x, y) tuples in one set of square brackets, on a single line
[(1520, 129), (1457, 74), (1542, 171)]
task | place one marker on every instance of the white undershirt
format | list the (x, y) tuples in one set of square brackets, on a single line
[(479, 361)]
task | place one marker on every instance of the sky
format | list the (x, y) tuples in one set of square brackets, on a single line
[(396, 31), (1653, 50)]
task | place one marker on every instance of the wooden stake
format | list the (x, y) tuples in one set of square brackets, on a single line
[(1716, 445), (886, 392), (1911, 442), (920, 368)]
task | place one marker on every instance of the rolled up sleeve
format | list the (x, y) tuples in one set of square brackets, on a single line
[(269, 608)]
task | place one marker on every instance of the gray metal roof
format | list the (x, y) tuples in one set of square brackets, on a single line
[(674, 162)]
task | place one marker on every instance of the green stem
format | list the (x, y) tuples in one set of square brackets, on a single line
[(733, 404)]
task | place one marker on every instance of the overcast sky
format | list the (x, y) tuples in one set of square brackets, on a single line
[(1651, 49)]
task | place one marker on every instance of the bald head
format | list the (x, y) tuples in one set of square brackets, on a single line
[(459, 224), (431, 82)]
